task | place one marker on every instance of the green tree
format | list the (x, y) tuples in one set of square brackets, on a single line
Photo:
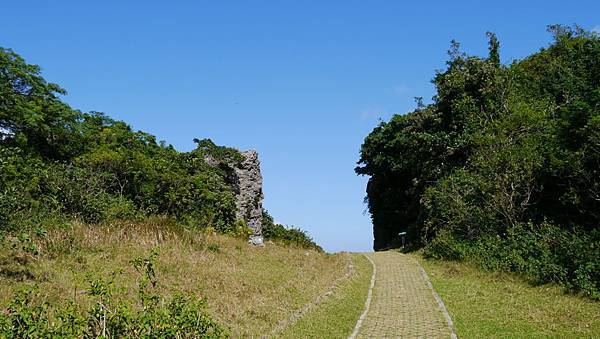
[(503, 168)]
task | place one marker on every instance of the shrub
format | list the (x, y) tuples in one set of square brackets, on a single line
[(181, 316), (290, 236), (544, 253), (502, 167), (57, 162)]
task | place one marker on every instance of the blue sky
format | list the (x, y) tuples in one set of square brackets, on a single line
[(302, 82)]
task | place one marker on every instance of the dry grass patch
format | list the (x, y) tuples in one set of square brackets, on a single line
[(248, 289)]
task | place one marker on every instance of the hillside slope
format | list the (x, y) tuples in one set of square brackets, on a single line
[(248, 290)]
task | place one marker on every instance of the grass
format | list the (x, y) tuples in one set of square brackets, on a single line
[(337, 315), (248, 289), (487, 304)]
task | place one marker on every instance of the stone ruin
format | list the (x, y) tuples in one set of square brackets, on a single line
[(247, 186), (245, 180)]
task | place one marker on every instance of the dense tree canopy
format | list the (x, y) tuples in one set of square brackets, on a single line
[(503, 167), (59, 163)]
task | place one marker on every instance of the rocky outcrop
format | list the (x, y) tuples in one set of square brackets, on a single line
[(247, 186), (245, 180)]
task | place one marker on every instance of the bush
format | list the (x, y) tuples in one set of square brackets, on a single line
[(59, 163), (502, 167), (544, 253), (182, 316), (289, 236)]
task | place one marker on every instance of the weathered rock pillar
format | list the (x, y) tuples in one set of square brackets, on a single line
[(249, 194)]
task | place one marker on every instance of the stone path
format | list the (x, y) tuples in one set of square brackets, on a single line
[(403, 303)]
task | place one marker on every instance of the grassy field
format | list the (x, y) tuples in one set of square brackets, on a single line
[(485, 304), (337, 315), (248, 289), (253, 290)]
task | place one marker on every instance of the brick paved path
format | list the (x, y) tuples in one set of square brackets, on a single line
[(403, 304)]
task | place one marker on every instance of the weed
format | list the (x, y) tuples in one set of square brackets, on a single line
[(248, 289), (214, 247), (182, 316)]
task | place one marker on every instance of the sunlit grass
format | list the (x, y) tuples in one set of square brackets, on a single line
[(337, 315), (486, 304), (249, 289)]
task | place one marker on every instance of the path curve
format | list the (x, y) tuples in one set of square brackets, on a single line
[(403, 304)]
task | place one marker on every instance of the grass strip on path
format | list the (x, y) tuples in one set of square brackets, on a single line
[(336, 316)]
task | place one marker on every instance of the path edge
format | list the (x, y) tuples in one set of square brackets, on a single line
[(367, 302), (440, 302)]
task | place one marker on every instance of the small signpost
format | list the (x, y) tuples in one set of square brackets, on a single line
[(402, 236)]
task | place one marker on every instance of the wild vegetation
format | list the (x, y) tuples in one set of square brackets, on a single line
[(181, 316), (58, 164), (287, 235), (151, 278), (503, 168), (66, 176)]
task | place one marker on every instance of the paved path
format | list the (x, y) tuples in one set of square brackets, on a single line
[(403, 304)]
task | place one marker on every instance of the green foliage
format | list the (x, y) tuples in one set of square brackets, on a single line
[(222, 154), (215, 248), (290, 236), (108, 318), (57, 163), (32, 116), (241, 230), (502, 168)]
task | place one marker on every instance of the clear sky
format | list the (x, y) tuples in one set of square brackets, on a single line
[(302, 82)]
